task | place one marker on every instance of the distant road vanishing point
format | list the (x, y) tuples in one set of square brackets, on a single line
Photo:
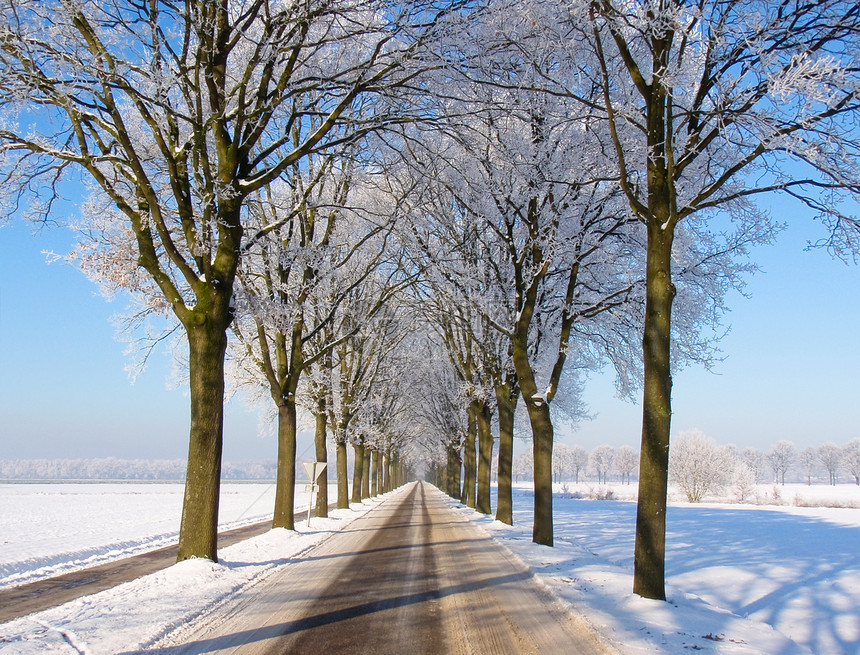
[(409, 577)]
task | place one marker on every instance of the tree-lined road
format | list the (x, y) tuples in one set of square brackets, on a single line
[(409, 576)]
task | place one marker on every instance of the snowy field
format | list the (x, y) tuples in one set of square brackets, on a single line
[(769, 579), (774, 580), (49, 529)]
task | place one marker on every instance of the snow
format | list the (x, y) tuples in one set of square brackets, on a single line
[(138, 614), (50, 529), (741, 579)]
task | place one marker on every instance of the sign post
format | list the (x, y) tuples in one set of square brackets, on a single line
[(313, 469)]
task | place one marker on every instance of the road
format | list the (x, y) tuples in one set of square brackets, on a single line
[(411, 576)]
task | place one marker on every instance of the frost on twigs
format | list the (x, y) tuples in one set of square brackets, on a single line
[(698, 465)]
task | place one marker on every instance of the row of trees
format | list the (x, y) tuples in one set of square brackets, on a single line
[(828, 458), (202, 132), (570, 463), (700, 466), (114, 468), (421, 220)]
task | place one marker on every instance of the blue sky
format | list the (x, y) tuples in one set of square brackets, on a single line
[(64, 390), (790, 373), (791, 364)]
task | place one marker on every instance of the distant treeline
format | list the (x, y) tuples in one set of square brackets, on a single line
[(113, 468)]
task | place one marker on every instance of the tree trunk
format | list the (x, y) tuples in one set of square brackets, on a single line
[(650, 549), (440, 473), (542, 431), (342, 477), (454, 469), (542, 438), (198, 532), (365, 473), (357, 470), (469, 462), (285, 488), (386, 473), (506, 404), (322, 456), (485, 457), (377, 473)]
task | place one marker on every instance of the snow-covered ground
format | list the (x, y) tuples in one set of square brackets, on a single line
[(772, 580), (764, 579), (54, 528)]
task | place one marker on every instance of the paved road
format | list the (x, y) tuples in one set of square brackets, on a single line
[(51, 592), (411, 576)]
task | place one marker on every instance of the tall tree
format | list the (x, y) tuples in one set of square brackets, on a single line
[(175, 113), (709, 104)]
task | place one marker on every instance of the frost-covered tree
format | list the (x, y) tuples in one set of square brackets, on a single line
[(373, 325), (781, 458), (578, 461), (562, 461), (830, 455), (754, 459), (316, 238), (626, 462), (743, 481), (709, 105), (524, 465), (464, 297), (698, 465), (436, 399), (601, 460), (808, 459), (510, 180), (851, 459), (173, 114)]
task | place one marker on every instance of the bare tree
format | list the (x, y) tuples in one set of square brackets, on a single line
[(808, 459), (754, 459), (601, 460), (781, 458), (626, 462), (578, 461), (831, 457), (436, 397), (557, 257), (524, 465), (562, 461), (309, 252), (743, 481), (851, 458)]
